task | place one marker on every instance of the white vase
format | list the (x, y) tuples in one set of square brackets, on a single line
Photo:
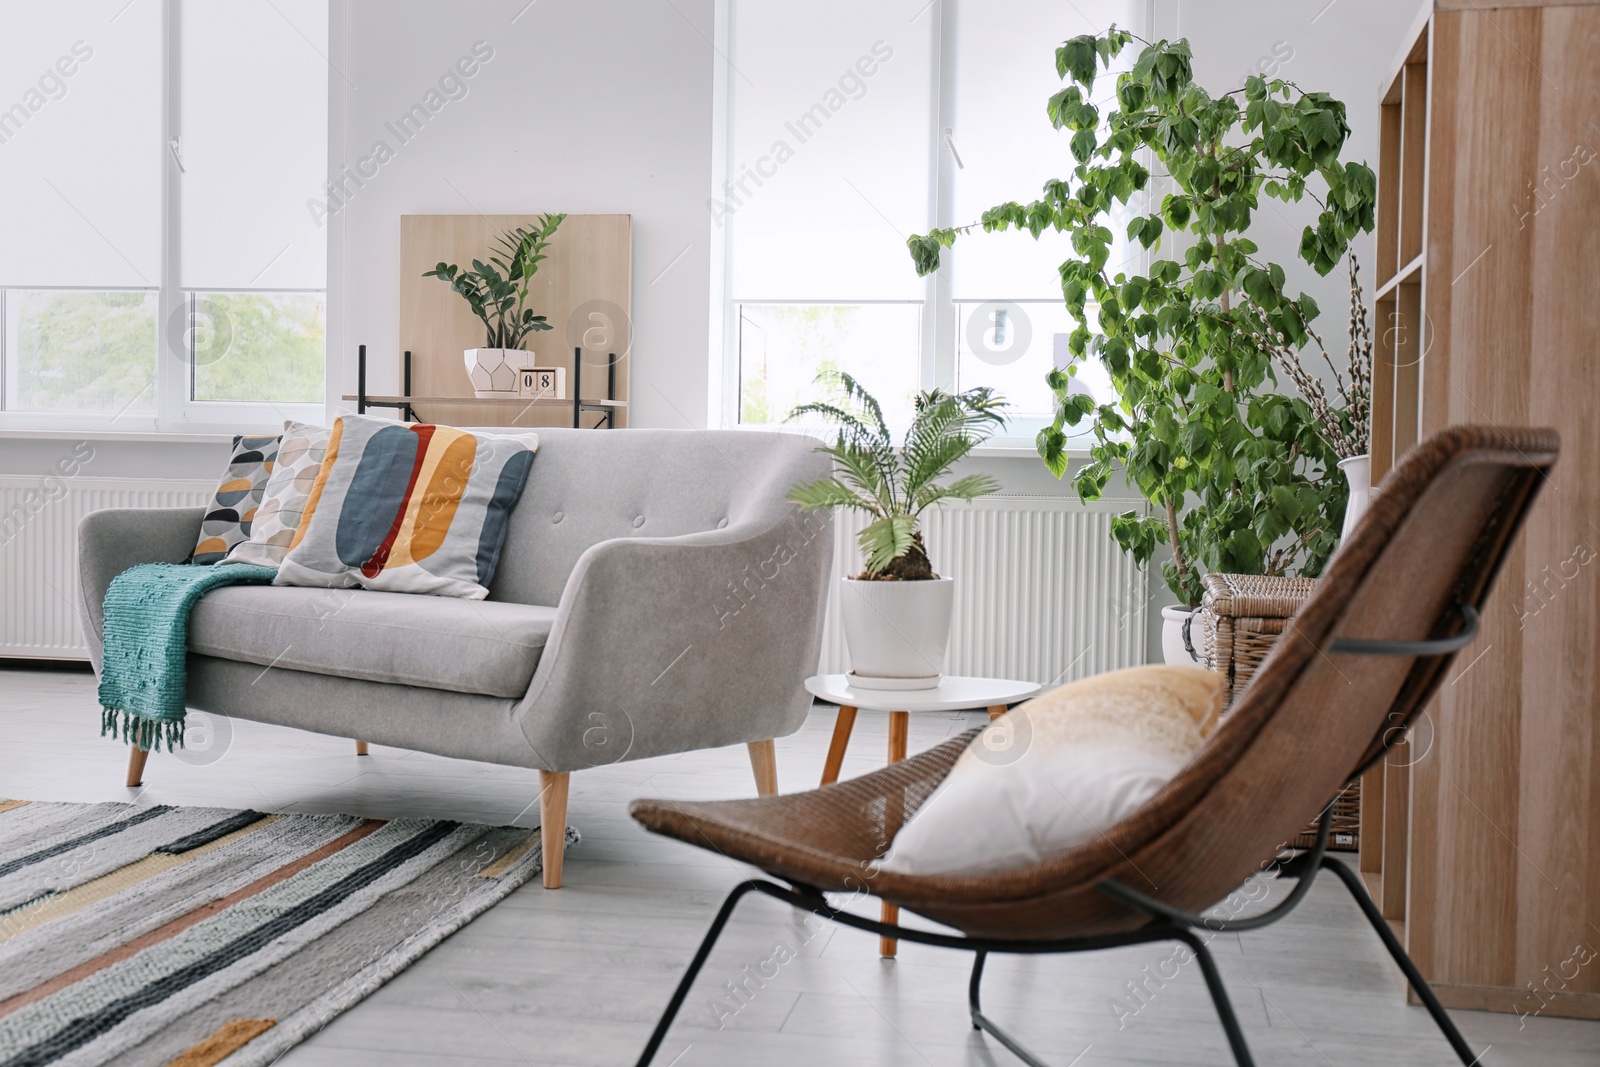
[(897, 632), (1173, 650), (1358, 473), (494, 370)]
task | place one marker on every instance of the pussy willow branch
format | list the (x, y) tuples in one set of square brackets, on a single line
[(1310, 387), (1285, 556), (1356, 395)]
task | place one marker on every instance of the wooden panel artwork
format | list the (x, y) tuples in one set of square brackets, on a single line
[(584, 288)]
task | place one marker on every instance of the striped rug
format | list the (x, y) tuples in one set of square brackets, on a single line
[(137, 934)]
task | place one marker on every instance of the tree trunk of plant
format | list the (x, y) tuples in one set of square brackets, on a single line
[(1227, 305), (1175, 544), (913, 566)]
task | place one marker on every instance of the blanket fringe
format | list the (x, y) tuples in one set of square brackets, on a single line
[(148, 734)]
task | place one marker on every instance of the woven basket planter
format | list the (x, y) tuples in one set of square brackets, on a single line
[(1240, 619)]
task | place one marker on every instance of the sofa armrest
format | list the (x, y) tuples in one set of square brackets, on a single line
[(672, 644), (111, 541)]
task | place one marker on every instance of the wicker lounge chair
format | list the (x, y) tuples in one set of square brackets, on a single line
[(1354, 665)]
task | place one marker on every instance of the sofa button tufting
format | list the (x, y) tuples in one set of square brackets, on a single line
[(721, 523), (558, 516), (638, 521)]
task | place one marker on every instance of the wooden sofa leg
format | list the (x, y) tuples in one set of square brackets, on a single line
[(764, 760), (136, 758), (361, 748), (553, 824)]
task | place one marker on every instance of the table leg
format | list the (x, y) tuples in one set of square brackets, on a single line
[(899, 725), (842, 725), (995, 711)]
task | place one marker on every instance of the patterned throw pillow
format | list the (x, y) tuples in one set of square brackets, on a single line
[(409, 508), (300, 454), (232, 510)]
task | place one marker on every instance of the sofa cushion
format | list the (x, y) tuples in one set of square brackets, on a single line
[(408, 508), (465, 646), (301, 451), (233, 506)]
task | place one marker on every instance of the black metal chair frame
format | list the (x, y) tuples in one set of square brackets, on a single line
[(1170, 924)]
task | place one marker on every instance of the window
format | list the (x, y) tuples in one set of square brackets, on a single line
[(829, 146), (783, 347), (850, 127), (159, 267)]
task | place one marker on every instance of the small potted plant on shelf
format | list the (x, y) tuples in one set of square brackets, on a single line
[(497, 292), (896, 612), (1239, 477)]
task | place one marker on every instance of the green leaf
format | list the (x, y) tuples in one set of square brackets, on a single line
[(1075, 58), (925, 250), (1176, 210), (886, 540), (1052, 446), (1322, 127), (1284, 499), (1195, 440), (1063, 104), (825, 493), (1083, 145)]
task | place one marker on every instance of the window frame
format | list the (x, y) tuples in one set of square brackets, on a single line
[(175, 411)]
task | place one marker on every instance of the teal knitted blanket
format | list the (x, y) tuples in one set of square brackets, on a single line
[(145, 673)]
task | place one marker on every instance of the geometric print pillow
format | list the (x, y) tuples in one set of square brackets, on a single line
[(300, 454), (408, 508), (231, 511)]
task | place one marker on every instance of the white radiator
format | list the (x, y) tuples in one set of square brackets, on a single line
[(39, 552), (1042, 592)]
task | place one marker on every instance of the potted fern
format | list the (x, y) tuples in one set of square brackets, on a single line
[(497, 292), (896, 612)]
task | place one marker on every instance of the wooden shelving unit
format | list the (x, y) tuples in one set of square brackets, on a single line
[(585, 288), (607, 408), (1480, 839)]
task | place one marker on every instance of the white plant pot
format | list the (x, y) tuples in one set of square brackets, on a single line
[(897, 632), (494, 370), (1358, 473), (1173, 649)]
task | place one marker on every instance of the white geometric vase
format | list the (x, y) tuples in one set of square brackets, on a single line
[(494, 370)]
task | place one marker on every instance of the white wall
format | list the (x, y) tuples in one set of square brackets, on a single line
[(586, 106), (606, 106), (1342, 47)]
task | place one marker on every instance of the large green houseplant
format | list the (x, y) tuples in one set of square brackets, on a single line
[(1238, 476), (897, 611), (497, 293)]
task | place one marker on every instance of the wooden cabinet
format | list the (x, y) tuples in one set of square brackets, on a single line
[(1481, 838)]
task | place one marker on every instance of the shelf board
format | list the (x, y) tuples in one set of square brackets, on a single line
[(1404, 274), (390, 401)]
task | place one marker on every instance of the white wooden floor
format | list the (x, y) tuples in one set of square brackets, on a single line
[(578, 976)]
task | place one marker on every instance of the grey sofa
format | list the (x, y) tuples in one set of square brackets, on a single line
[(656, 594)]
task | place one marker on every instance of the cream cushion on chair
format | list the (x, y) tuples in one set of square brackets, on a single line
[(1053, 773)]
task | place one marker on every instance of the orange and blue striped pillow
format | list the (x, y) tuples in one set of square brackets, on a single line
[(409, 508)]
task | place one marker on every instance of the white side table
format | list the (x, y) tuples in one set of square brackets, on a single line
[(953, 693)]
